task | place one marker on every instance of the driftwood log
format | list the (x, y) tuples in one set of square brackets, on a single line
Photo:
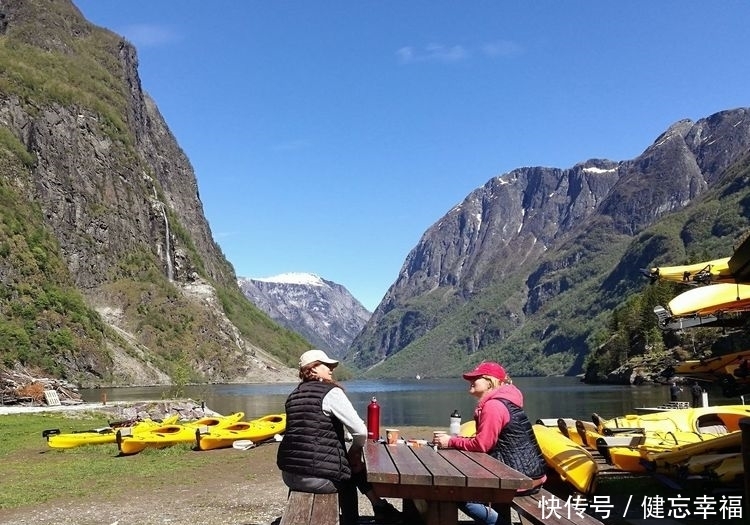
[(20, 386)]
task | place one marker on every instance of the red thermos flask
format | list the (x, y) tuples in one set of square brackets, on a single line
[(373, 420)]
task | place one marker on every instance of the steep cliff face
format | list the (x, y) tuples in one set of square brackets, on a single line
[(497, 261), (89, 149), (497, 228), (321, 311)]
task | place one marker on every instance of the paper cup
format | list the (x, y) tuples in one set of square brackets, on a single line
[(391, 436)]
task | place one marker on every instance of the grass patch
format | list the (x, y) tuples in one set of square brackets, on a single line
[(34, 474)]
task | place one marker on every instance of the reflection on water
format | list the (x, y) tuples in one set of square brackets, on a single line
[(428, 402)]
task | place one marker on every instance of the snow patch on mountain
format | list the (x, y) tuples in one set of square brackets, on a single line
[(308, 279)]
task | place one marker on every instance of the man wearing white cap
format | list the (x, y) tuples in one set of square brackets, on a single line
[(312, 455)]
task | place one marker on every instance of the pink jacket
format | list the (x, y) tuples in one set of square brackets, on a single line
[(490, 419)]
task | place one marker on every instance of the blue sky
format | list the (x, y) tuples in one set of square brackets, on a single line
[(328, 136)]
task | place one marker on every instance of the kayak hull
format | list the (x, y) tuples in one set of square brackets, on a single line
[(168, 435), (257, 430), (100, 436), (668, 460), (574, 464), (705, 300), (713, 419)]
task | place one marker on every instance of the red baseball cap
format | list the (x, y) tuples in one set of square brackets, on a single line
[(486, 368)]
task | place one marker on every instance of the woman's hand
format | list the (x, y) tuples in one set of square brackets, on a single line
[(442, 440)]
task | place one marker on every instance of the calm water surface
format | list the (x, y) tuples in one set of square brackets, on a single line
[(428, 402)]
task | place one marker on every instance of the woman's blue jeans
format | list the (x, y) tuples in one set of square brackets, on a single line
[(481, 514)]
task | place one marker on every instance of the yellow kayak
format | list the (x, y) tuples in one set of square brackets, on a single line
[(713, 419), (668, 460), (710, 365), (256, 431), (575, 465), (705, 300), (723, 467), (707, 272), (588, 433), (99, 436), (736, 364), (629, 452), (568, 429), (168, 435)]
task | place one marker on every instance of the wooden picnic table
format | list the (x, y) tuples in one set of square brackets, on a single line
[(441, 478)]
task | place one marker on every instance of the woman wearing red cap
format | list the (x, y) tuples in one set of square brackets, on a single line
[(503, 431)]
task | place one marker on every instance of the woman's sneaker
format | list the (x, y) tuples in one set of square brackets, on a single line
[(387, 514)]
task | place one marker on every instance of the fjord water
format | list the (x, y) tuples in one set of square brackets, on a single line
[(426, 402)]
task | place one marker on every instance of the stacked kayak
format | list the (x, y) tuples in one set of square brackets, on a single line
[(680, 443), (567, 427), (628, 451), (706, 272), (256, 430), (100, 436), (706, 300), (669, 460), (726, 468), (719, 459), (731, 371), (574, 464), (713, 419), (711, 367), (171, 434)]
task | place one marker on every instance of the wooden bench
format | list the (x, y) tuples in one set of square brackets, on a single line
[(305, 508), (535, 510)]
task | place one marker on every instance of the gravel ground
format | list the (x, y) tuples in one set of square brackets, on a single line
[(242, 487), (208, 497)]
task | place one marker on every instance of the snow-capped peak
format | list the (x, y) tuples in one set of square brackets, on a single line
[(309, 279)]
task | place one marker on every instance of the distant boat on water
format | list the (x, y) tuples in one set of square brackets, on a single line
[(417, 377)]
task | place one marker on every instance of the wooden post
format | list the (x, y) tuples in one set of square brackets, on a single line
[(745, 428)]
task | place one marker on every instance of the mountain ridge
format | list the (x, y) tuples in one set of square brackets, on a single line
[(482, 279), (322, 311)]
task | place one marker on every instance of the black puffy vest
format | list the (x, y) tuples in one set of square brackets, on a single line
[(313, 443), (517, 446)]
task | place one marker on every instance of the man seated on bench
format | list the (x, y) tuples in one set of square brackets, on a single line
[(503, 431), (312, 455)]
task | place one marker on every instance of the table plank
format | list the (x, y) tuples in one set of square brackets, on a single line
[(410, 469), (379, 465), (509, 477), (443, 473), (476, 474)]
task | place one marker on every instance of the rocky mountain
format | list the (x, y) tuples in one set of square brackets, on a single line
[(109, 273), (526, 269), (321, 311)]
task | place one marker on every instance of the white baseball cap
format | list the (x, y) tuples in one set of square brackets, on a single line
[(311, 356)]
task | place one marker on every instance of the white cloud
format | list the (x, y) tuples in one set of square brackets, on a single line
[(432, 53), (457, 53)]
